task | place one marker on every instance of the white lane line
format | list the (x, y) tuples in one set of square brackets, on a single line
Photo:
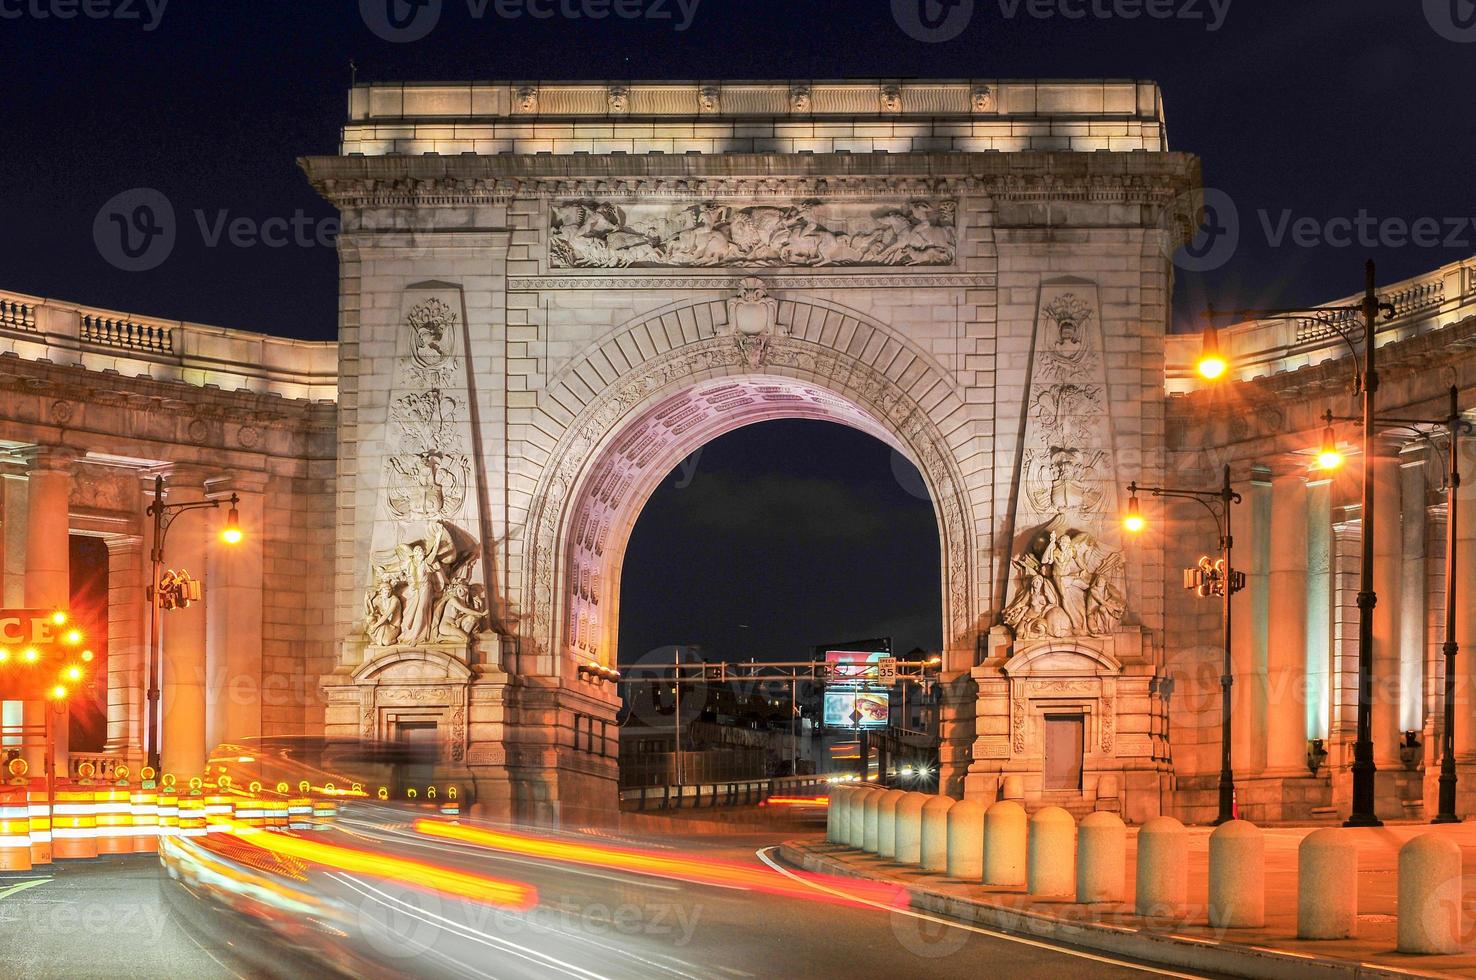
[(763, 855), (534, 956)]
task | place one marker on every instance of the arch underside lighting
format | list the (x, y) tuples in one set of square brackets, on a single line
[(633, 464)]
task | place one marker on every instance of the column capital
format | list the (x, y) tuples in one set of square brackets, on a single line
[(122, 544), (49, 459)]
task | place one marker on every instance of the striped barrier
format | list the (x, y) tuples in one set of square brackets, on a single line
[(168, 807), (192, 810), (74, 822), (300, 813), (143, 803), (324, 812), (114, 815), (219, 810), (15, 829), (38, 806)]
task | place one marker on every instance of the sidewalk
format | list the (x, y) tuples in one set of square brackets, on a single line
[(1273, 951)]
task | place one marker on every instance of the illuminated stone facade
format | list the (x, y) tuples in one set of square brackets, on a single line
[(551, 294)]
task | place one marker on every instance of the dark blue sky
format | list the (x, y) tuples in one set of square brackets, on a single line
[(1313, 109)]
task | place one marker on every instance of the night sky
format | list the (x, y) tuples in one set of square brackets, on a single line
[(1317, 109)]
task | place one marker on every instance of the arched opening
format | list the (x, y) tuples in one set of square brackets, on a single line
[(773, 543)]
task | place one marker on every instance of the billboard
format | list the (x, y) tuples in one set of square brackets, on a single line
[(856, 708), (854, 665)]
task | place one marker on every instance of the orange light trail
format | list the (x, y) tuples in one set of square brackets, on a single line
[(724, 874), (804, 801), (508, 894)]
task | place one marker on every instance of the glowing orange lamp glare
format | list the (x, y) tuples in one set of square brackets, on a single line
[(87, 656), (1329, 457), (74, 673), (73, 638), (232, 534), (58, 693), (1212, 364), (59, 618), (30, 655), (4, 655), (1135, 522)]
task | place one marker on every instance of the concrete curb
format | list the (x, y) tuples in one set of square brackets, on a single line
[(1164, 949)]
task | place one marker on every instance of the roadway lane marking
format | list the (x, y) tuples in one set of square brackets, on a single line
[(467, 932), (16, 889), (763, 855)]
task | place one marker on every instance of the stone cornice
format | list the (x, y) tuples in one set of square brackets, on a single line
[(471, 179)]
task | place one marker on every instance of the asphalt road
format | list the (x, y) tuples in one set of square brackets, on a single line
[(591, 922)]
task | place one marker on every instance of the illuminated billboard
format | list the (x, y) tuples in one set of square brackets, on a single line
[(854, 665), (856, 708)]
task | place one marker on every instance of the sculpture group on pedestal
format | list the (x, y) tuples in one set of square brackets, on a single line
[(1070, 586), (423, 592)]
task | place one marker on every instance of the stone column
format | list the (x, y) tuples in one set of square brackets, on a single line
[(1388, 579), (1465, 623), (1251, 525), (128, 620), (48, 564), (14, 487), (233, 620), (182, 705), (1413, 477), (1287, 681)]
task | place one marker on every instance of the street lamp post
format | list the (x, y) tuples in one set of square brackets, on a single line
[(1366, 380), (164, 515), (1219, 579), (1456, 425)]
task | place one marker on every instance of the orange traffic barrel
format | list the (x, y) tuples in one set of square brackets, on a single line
[(73, 822), (324, 813), (114, 820), (278, 815), (300, 813), (250, 811), (15, 829), (219, 812), (192, 816), (143, 804), (38, 803), (168, 807)]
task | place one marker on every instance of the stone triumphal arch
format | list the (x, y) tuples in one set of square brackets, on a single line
[(553, 293)]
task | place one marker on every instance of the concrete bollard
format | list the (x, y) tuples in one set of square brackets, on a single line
[(909, 828), (1051, 863), (933, 849), (1430, 895), (1013, 788), (1237, 876), (886, 823), (871, 812), (835, 814), (1327, 885), (856, 815), (966, 841), (1005, 841), (1101, 858), (1163, 867)]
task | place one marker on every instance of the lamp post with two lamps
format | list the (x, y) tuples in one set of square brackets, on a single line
[(1208, 578), (1214, 365), (175, 591)]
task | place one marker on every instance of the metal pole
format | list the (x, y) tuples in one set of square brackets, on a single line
[(156, 561), (677, 717), (794, 725), (1227, 773), (1362, 814), (1447, 812)]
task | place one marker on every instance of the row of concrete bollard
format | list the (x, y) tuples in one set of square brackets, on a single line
[(1051, 856)]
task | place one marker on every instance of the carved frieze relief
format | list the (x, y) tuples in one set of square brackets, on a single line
[(602, 234)]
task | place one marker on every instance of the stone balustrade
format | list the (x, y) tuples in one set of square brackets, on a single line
[(1260, 348), (166, 350)]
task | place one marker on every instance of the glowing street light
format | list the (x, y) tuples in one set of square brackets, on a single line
[(1329, 457), (1212, 364), (1134, 522), (232, 534), (58, 693)]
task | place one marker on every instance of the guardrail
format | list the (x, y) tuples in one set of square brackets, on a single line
[(711, 795)]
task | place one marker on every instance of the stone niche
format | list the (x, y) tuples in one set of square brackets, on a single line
[(1072, 723)]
